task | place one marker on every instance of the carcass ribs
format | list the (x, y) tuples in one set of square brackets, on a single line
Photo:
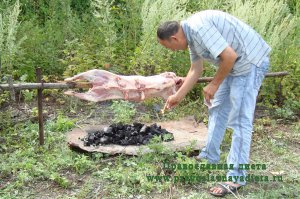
[(107, 86)]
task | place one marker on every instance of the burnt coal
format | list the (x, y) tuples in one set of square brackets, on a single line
[(125, 134)]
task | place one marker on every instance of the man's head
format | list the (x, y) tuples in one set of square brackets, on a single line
[(171, 35)]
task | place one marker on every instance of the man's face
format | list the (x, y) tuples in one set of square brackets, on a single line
[(173, 43)]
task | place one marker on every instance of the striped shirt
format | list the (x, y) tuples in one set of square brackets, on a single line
[(209, 32)]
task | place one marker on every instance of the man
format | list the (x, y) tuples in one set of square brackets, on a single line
[(241, 58)]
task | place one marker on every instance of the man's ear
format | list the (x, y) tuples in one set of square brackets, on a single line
[(173, 37)]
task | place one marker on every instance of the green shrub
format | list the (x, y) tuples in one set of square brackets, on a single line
[(9, 43), (123, 111), (279, 27), (150, 57)]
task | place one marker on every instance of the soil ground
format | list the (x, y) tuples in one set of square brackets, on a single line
[(276, 143)]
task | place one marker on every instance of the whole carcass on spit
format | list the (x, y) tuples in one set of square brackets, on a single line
[(107, 86)]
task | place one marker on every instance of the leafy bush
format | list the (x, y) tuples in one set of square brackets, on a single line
[(44, 46), (150, 57), (61, 124), (275, 22), (275, 25), (290, 110), (123, 111), (9, 44)]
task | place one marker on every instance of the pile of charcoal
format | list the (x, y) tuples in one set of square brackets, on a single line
[(125, 134)]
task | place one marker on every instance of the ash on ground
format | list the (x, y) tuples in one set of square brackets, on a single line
[(126, 134)]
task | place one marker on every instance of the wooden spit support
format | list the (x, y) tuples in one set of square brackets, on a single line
[(68, 85), (10, 86)]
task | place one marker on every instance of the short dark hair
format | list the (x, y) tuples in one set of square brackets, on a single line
[(167, 29)]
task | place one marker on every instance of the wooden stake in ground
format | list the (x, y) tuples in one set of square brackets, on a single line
[(40, 106)]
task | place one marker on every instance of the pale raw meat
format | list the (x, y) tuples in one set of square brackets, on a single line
[(107, 86)]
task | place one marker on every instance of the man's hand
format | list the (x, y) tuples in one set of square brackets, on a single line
[(171, 102), (209, 92), (190, 80)]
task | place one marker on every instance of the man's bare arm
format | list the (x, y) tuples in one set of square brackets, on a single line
[(191, 79), (227, 60)]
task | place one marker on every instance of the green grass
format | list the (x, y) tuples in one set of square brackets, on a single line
[(54, 171)]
